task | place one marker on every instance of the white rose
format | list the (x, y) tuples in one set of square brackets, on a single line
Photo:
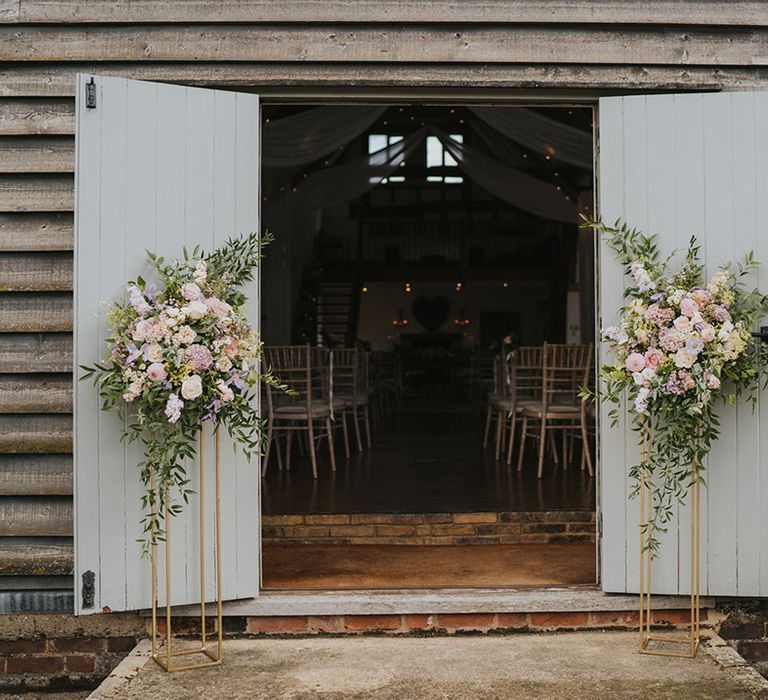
[(140, 332), (154, 353), (192, 387), (649, 374), (195, 309), (684, 359), (224, 364), (723, 333)]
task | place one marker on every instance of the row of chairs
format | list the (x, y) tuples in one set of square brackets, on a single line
[(538, 387), (326, 389)]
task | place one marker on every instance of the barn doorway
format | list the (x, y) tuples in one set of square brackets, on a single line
[(428, 259)]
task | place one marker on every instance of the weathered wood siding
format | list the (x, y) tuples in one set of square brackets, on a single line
[(301, 47)]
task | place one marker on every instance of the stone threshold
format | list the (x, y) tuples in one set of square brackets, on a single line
[(435, 601)]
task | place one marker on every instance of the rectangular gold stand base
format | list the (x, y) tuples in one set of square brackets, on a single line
[(692, 642), (165, 662), (164, 658)]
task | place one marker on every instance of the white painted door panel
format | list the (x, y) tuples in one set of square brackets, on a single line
[(159, 167), (679, 165)]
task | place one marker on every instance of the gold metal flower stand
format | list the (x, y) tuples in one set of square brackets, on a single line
[(167, 656), (690, 641)]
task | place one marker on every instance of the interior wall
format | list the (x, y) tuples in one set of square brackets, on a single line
[(381, 305)]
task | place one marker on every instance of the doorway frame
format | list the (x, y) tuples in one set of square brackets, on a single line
[(413, 600)]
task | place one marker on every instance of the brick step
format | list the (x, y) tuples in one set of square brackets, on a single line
[(441, 623), (431, 528)]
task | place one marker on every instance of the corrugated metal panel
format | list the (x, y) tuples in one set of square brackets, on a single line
[(32, 602)]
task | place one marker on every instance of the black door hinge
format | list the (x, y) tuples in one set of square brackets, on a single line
[(88, 589), (90, 94)]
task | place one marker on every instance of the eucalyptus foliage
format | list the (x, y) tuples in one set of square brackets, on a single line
[(682, 344), (181, 353)]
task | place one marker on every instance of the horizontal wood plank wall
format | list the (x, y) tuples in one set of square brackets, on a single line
[(303, 46)]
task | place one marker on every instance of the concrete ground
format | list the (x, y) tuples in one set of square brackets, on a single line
[(524, 666)]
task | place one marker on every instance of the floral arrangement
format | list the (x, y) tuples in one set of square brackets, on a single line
[(682, 343), (181, 352)]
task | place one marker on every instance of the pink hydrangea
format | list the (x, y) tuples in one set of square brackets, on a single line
[(156, 372), (635, 362), (669, 340), (190, 291), (661, 316), (152, 330), (720, 313), (688, 307), (199, 357)]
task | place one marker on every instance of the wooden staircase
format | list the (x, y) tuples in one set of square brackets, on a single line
[(337, 306)]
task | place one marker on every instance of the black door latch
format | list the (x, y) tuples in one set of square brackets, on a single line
[(762, 334)]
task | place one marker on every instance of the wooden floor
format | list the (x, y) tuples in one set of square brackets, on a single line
[(426, 459), (338, 567)]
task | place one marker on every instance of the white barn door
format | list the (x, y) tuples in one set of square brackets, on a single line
[(678, 165), (159, 167)]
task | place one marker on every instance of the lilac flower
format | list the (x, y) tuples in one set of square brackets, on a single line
[(694, 345), (151, 292), (134, 353), (173, 408)]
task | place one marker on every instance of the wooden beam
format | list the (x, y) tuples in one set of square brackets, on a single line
[(35, 516), (35, 313), (37, 193), (526, 44), (47, 154), (36, 272), (426, 11), (36, 393), (41, 117), (348, 80), (22, 353), (35, 475), (35, 434), (38, 556), (36, 232)]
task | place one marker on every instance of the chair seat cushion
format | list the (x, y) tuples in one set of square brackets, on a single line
[(319, 409), (348, 400)]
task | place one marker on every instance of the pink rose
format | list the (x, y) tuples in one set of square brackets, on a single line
[(190, 291), (219, 307), (688, 307), (635, 362), (156, 372), (230, 345), (652, 358), (682, 323)]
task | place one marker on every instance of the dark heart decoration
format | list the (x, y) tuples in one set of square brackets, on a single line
[(431, 313)]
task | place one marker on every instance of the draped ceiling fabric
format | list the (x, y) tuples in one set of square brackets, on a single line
[(308, 136), (336, 185), (540, 133), (510, 184)]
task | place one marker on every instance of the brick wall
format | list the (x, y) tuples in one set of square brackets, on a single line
[(62, 652), (431, 528), (745, 627), (441, 623)]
